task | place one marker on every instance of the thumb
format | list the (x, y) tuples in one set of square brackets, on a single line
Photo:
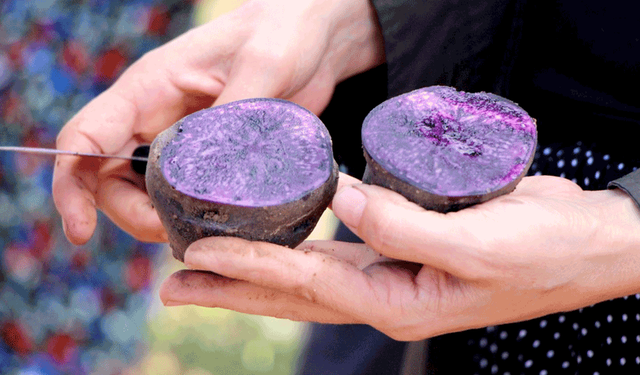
[(253, 77), (361, 206), (402, 230), (250, 78)]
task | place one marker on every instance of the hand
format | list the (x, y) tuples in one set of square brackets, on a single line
[(296, 50), (546, 247)]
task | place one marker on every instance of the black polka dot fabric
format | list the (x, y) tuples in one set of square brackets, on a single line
[(584, 165), (600, 339)]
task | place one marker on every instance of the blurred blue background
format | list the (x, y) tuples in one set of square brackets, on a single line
[(94, 309)]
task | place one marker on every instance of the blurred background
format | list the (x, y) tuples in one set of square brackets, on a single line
[(94, 309)]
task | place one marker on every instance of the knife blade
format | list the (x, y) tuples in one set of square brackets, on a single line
[(138, 159)]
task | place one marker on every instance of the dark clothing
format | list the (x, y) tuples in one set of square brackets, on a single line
[(573, 67), (570, 66)]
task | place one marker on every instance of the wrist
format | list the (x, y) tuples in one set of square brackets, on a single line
[(616, 267), (346, 33), (356, 43)]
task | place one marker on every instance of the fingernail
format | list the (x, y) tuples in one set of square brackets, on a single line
[(173, 303), (191, 258), (348, 205)]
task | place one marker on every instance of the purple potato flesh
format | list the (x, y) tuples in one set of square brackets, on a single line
[(259, 169), (446, 149)]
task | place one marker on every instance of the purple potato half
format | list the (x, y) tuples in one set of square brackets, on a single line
[(446, 149), (260, 169)]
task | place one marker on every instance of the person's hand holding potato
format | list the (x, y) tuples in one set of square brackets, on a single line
[(547, 247)]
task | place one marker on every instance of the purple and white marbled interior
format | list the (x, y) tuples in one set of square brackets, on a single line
[(253, 153), (449, 142)]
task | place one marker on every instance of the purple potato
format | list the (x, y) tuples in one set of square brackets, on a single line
[(259, 169), (445, 149)]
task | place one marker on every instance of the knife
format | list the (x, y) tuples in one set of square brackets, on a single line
[(138, 159)]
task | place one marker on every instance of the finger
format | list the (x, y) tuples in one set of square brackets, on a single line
[(244, 83), (75, 179), (402, 230), (122, 196), (140, 104), (262, 72), (317, 93), (74, 200), (345, 180), (357, 254), (131, 209), (73, 186), (315, 277), (211, 290), (251, 77), (92, 130)]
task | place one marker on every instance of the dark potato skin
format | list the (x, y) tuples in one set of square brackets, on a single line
[(188, 219), (374, 174)]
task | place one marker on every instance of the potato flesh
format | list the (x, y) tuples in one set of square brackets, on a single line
[(250, 153)]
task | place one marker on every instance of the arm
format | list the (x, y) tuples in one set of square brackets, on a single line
[(297, 50)]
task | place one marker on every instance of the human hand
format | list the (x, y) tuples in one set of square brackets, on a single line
[(546, 247), (296, 50)]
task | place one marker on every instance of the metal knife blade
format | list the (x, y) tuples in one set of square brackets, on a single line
[(51, 151), (138, 160)]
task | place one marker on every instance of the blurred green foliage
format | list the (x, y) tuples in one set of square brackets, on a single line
[(210, 341)]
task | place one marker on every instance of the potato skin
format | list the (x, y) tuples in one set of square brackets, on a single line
[(375, 174), (188, 219)]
